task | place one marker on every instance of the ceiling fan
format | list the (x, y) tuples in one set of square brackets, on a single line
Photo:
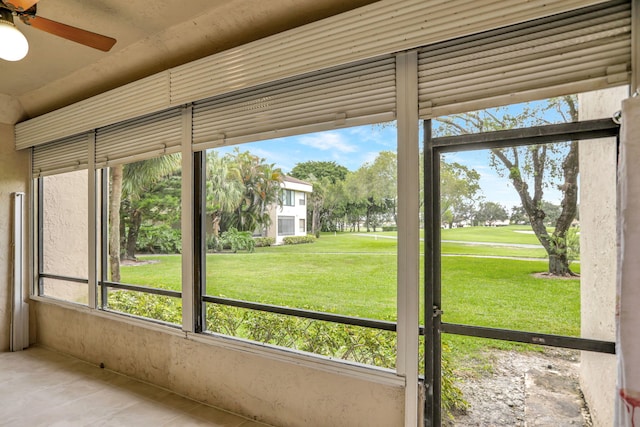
[(26, 11)]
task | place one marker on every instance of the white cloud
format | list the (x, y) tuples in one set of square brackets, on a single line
[(328, 141)]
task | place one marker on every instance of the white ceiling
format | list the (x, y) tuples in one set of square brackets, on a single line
[(151, 36)]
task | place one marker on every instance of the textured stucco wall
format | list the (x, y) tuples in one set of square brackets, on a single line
[(14, 177), (65, 239), (278, 392), (598, 253)]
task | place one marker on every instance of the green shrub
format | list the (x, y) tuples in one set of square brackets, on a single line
[(213, 243), (237, 240), (389, 228), (159, 239), (297, 240), (452, 397), (158, 307), (262, 242)]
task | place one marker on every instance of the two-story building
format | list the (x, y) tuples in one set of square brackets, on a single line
[(290, 217)]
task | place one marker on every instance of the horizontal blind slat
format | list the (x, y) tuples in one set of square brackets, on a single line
[(354, 92), (569, 53), (67, 154), (141, 138)]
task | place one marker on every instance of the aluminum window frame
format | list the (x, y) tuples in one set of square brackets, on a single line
[(433, 325)]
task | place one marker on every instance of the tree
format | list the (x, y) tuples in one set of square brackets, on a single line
[(533, 169), (114, 221), (552, 212), (224, 188), (261, 188), (459, 191), (319, 170), (384, 183), (129, 181), (322, 174), (518, 215), (370, 188), (489, 213), (151, 222)]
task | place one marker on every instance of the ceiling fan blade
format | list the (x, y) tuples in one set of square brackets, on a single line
[(78, 35), (20, 5)]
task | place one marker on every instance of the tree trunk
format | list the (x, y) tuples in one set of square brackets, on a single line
[(559, 264), (555, 244), (114, 222), (132, 235)]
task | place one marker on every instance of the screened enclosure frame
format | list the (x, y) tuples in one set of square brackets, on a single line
[(434, 326), (417, 72)]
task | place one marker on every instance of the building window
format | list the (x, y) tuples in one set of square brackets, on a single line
[(288, 198), (302, 225), (303, 199), (286, 226)]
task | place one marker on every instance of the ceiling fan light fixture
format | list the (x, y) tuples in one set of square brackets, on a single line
[(13, 44)]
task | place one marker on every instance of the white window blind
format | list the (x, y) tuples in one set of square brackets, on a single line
[(65, 155), (356, 94), (139, 139), (578, 51)]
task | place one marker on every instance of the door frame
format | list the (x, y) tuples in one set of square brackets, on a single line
[(434, 327)]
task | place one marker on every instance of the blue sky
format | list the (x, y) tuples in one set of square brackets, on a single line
[(352, 147)]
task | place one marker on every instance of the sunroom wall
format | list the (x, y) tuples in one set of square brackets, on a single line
[(14, 177), (267, 388)]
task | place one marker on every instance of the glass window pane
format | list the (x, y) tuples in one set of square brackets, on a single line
[(510, 238), (262, 199), (145, 235)]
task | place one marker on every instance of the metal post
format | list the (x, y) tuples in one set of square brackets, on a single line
[(432, 352), (199, 241), (104, 237), (19, 309), (408, 230), (40, 254), (92, 258), (187, 227)]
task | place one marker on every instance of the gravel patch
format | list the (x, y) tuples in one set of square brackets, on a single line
[(525, 389)]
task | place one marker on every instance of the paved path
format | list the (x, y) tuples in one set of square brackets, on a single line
[(464, 242)]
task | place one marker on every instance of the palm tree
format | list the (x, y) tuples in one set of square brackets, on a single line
[(129, 182), (224, 188), (261, 186)]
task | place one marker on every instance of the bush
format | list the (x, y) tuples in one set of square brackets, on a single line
[(159, 238), (158, 307), (297, 240), (389, 228), (237, 240), (213, 243), (262, 242)]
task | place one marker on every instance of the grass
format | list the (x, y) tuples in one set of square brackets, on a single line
[(355, 275), (516, 234)]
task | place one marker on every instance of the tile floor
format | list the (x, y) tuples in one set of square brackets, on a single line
[(39, 387)]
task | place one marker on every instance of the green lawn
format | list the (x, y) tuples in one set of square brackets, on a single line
[(356, 275), (517, 234)]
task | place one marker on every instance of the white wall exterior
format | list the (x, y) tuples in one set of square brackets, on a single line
[(598, 253), (298, 211)]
